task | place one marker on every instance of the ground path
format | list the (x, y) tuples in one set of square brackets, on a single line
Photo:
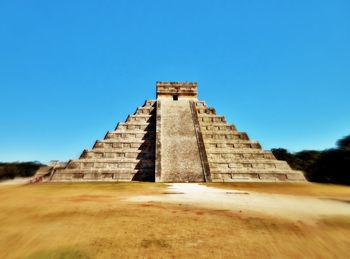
[(276, 205)]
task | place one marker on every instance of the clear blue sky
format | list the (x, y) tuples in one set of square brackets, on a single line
[(70, 70)]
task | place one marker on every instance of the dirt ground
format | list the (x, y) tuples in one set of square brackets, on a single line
[(148, 220), (294, 207)]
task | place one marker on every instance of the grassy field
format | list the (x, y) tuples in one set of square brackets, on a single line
[(94, 220)]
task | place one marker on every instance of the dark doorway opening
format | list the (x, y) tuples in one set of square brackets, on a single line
[(175, 97)]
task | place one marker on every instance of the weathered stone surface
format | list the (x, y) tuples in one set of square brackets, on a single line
[(176, 138), (125, 154), (179, 151), (233, 157)]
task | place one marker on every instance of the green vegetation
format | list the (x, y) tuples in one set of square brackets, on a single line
[(18, 169), (327, 166)]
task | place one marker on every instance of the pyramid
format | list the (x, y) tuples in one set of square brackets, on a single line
[(176, 138)]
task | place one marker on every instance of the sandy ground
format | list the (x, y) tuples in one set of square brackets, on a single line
[(155, 220), (16, 181), (284, 206)]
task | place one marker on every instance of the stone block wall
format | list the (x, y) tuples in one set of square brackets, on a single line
[(125, 154), (232, 156)]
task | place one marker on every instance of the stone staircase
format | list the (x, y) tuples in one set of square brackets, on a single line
[(178, 152)]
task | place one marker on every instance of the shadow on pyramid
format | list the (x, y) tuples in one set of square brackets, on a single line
[(176, 138)]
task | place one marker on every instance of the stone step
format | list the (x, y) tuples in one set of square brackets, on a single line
[(211, 118), (140, 118), (135, 123), (141, 112), (268, 176), (215, 124), (149, 103), (104, 175), (142, 126), (247, 161), (102, 170), (119, 143), (120, 147), (112, 153), (232, 145), (228, 134), (234, 156), (247, 177), (247, 166), (206, 110), (110, 160), (142, 135), (209, 122), (227, 151), (252, 171), (200, 104), (114, 150), (213, 128), (89, 163), (240, 139), (43, 170), (296, 176), (118, 140), (145, 110), (141, 132)]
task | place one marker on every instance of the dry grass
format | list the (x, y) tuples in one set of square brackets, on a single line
[(94, 221)]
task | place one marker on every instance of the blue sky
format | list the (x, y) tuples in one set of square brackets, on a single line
[(70, 70)]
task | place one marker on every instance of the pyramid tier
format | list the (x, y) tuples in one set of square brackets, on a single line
[(248, 164), (232, 156), (230, 144), (223, 126), (257, 176), (248, 153), (140, 118), (135, 144), (227, 134), (131, 134), (120, 162), (120, 174), (97, 153), (211, 118), (125, 154), (121, 127)]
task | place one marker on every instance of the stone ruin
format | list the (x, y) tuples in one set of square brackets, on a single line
[(175, 138)]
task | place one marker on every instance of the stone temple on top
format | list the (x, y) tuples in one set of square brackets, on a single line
[(175, 138)]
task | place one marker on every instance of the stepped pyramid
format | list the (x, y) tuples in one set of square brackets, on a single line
[(176, 138)]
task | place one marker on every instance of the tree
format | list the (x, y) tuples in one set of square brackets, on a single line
[(12, 170), (344, 143), (327, 166)]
